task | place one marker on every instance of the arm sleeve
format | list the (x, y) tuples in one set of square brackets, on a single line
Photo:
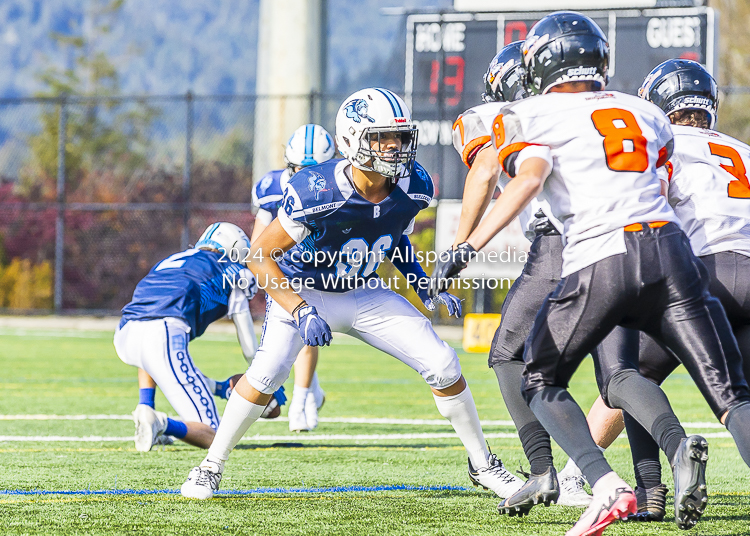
[(243, 323), (405, 261)]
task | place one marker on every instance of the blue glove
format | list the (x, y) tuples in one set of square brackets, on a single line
[(312, 328), (451, 302)]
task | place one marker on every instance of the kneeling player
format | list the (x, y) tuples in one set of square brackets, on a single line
[(171, 306), (355, 212)]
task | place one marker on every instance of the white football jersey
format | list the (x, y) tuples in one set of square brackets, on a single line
[(709, 189), (471, 133), (605, 148)]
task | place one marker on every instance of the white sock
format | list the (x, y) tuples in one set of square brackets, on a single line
[(461, 411), (314, 385), (298, 398), (238, 416)]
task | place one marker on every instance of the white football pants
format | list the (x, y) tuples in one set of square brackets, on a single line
[(379, 317), (160, 347)]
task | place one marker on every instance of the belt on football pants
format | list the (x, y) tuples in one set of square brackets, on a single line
[(633, 227)]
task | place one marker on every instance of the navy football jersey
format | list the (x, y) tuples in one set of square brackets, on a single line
[(188, 285), (267, 192), (341, 237)]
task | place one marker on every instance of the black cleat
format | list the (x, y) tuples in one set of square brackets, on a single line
[(689, 469), (652, 504), (538, 489)]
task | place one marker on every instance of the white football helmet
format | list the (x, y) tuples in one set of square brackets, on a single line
[(363, 118), (309, 145), (225, 237)]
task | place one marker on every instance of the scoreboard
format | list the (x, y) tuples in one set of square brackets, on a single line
[(447, 55)]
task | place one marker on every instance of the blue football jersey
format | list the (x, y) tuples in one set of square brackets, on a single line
[(189, 285), (267, 192), (346, 237)]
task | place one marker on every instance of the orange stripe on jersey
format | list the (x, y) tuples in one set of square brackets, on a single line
[(670, 169), (471, 149), (460, 124), (510, 149), (663, 157), (633, 227)]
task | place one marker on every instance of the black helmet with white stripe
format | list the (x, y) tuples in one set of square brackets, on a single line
[(682, 85), (565, 47), (503, 81)]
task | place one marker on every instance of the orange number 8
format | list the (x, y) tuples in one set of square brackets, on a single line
[(615, 136)]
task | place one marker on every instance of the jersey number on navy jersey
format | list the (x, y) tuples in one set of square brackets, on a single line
[(358, 254), (173, 261), (739, 189)]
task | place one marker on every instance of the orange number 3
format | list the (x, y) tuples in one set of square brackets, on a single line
[(739, 189), (624, 142)]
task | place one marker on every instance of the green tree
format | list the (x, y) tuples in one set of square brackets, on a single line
[(99, 134)]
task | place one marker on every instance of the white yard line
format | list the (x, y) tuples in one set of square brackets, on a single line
[(297, 438), (339, 420)]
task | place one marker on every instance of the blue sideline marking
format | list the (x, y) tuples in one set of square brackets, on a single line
[(257, 491)]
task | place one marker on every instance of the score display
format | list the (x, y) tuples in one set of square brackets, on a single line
[(448, 54)]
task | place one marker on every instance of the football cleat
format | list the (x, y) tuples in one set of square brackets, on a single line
[(613, 499), (538, 489), (689, 470), (572, 492), (202, 482), (149, 426), (652, 503), (495, 477)]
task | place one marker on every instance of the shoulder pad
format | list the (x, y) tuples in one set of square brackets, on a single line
[(420, 189), (470, 132), (267, 191), (312, 193)]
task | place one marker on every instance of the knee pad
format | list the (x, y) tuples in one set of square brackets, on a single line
[(444, 372), (610, 385), (267, 375)]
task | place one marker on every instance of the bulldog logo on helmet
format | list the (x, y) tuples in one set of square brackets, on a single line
[(357, 110)]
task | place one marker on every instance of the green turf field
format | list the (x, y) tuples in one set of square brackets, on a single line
[(77, 373)]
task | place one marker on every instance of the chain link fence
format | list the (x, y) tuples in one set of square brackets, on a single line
[(84, 215)]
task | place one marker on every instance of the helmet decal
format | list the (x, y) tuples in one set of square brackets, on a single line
[(356, 109)]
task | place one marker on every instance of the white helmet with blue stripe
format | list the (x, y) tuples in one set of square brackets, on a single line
[(309, 145), (364, 118), (224, 236)]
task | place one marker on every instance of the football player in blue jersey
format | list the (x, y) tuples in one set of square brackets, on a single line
[(318, 260), (309, 145), (171, 306)]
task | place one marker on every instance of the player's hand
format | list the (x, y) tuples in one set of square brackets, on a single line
[(451, 302), (312, 328), (252, 287), (449, 265)]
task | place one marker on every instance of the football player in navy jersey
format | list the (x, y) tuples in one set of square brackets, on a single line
[(171, 306), (309, 145), (338, 222)]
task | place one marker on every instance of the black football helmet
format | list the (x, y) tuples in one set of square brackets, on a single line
[(682, 85), (503, 81), (565, 47)]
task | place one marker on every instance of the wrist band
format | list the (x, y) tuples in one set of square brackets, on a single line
[(302, 304)]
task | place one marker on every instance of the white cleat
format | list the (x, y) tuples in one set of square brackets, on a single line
[(495, 477), (320, 397), (311, 411), (613, 499), (149, 425), (202, 482), (572, 492), (297, 419)]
